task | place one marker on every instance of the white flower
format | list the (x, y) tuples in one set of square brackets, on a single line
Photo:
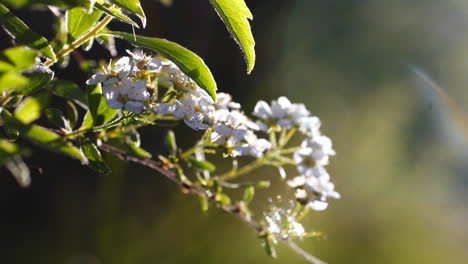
[(298, 181), (96, 78), (317, 204), (295, 229), (300, 194), (322, 187), (224, 101)]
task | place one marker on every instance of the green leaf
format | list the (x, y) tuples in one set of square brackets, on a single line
[(170, 142), (98, 112), (187, 61), (115, 12), (223, 198), (249, 193), (57, 118), (203, 203), (31, 108), (71, 114), (60, 3), (7, 150), (23, 34), (17, 59), (38, 78), (11, 81), (202, 164), (43, 137), (234, 14), (138, 151), (80, 22), (68, 90), (95, 160), (132, 6)]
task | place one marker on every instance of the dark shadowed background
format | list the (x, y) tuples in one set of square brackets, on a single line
[(401, 164)]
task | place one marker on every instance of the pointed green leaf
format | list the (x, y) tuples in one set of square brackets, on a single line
[(7, 150), (115, 12), (71, 114), (42, 136), (95, 160), (234, 14), (204, 205), (249, 193), (187, 61), (31, 108), (222, 198), (68, 90), (11, 81), (202, 164), (38, 78), (138, 151), (57, 118), (99, 112), (132, 6), (17, 59), (60, 3), (23, 34), (80, 22)]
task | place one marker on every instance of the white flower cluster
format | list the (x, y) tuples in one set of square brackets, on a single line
[(124, 83), (283, 224), (313, 186)]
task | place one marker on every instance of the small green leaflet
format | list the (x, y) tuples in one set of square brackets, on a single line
[(95, 160), (132, 6), (99, 113), (24, 34), (115, 12), (190, 63), (42, 136), (38, 77), (234, 14), (17, 59), (61, 3), (80, 22), (7, 150), (68, 90), (31, 108)]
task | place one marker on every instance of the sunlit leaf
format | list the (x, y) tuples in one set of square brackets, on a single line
[(7, 150), (23, 34), (38, 78), (60, 3), (31, 108), (116, 13), (99, 113), (42, 137), (190, 63), (234, 14), (17, 59), (80, 22), (132, 6), (11, 81), (95, 160)]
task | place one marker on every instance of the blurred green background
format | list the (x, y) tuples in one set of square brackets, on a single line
[(401, 164)]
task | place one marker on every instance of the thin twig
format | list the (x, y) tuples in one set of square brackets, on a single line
[(231, 209)]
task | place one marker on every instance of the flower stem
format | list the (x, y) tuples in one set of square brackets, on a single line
[(81, 40), (246, 169)]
